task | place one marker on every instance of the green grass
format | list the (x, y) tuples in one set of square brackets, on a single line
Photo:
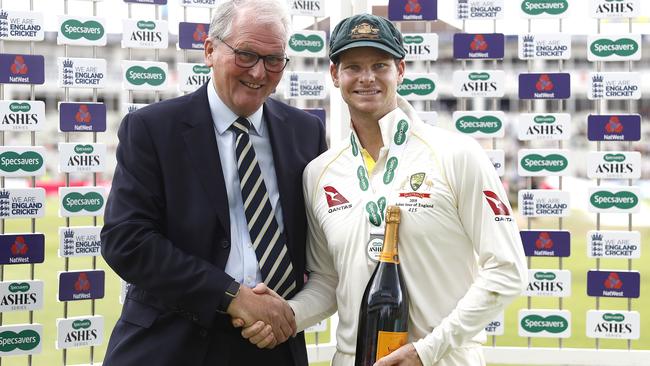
[(578, 303)]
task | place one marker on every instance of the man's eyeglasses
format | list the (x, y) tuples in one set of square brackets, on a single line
[(247, 59)]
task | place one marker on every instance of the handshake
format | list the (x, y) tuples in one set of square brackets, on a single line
[(266, 318)]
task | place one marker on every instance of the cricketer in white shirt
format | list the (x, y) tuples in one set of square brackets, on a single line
[(460, 250)]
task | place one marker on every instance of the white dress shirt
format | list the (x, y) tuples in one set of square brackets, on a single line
[(242, 262)]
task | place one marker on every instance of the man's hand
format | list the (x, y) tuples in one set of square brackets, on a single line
[(262, 304), (403, 356)]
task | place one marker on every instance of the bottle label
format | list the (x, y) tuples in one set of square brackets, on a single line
[(374, 246), (387, 342)]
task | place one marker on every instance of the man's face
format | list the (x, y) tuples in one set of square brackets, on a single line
[(244, 90), (368, 79)]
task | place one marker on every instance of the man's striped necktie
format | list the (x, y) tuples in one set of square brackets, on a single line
[(269, 242)]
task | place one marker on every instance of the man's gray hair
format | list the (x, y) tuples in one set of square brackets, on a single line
[(254, 11)]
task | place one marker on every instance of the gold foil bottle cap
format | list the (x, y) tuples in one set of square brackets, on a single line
[(392, 214)]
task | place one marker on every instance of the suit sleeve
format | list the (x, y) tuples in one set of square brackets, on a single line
[(502, 273), (133, 243), (317, 300)]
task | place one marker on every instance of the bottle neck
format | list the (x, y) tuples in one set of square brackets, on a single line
[(389, 250)]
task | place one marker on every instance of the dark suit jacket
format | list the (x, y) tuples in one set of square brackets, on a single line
[(167, 232)]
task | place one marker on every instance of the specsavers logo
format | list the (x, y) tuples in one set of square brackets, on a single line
[(19, 287), (419, 86), (312, 43), (623, 200), (616, 317), (29, 161), (544, 276), (146, 25), (201, 69), (544, 119), (20, 107), (606, 47), (479, 76), (551, 163), (138, 75), (74, 29), (81, 324), (25, 340), (538, 7), (485, 124), (413, 39), (614, 158), (552, 324), (75, 202), (84, 149)]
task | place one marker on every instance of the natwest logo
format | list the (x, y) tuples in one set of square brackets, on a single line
[(479, 43), (412, 7), (19, 67), (83, 115), (544, 241), (19, 247), (544, 83), (614, 125), (613, 282)]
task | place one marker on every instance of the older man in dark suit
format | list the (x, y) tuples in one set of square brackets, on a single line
[(207, 202)]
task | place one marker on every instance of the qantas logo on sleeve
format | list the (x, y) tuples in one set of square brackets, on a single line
[(335, 200), (498, 207)]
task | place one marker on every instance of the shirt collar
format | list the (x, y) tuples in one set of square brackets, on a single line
[(223, 117)]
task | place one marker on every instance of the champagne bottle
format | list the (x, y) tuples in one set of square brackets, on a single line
[(384, 313)]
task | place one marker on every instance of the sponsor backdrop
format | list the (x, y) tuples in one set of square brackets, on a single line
[(543, 127)]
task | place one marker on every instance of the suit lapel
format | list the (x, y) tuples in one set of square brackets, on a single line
[(201, 146)]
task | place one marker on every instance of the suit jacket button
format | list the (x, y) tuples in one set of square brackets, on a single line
[(203, 333), (225, 243)]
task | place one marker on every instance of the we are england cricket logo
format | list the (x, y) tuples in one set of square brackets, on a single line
[(21, 26), (479, 9)]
